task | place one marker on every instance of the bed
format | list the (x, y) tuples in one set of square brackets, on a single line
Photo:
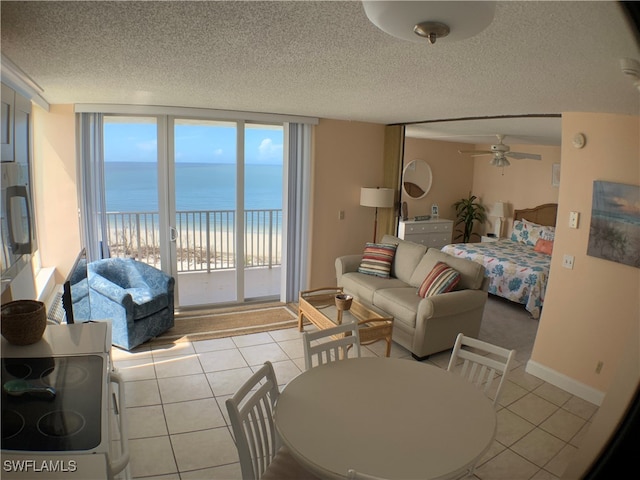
[(517, 266)]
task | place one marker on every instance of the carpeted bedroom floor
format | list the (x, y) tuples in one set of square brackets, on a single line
[(509, 325)]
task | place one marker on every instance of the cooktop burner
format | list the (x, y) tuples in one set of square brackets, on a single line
[(52, 403)]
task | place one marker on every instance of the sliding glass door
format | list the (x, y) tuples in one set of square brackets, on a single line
[(200, 199), (227, 232), (262, 186)]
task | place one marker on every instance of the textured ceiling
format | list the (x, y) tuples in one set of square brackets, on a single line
[(324, 59)]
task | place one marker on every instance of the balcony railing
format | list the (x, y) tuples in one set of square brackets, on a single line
[(205, 239)]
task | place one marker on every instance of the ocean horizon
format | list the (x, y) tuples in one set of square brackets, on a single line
[(133, 186)]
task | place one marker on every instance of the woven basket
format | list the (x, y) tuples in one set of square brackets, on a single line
[(343, 301), (23, 321)]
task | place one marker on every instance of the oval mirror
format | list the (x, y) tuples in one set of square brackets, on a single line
[(416, 179)]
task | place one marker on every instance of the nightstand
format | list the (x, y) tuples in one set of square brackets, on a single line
[(485, 239)]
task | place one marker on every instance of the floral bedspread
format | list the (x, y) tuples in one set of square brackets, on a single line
[(515, 270)]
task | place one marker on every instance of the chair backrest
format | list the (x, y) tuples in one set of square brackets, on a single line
[(320, 346), (251, 415), (482, 363)]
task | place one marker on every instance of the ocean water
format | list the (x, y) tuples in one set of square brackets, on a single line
[(133, 186)]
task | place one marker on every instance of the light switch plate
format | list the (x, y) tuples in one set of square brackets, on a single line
[(567, 261), (574, 218)]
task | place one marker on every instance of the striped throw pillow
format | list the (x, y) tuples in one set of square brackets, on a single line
[(377, 259), (441, 279)]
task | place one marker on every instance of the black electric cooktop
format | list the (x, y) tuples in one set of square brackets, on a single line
[(38, 419)]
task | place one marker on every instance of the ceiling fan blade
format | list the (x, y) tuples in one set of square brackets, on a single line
[(475, 153), (522, 155)]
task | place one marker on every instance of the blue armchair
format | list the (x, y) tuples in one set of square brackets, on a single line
[(136, 297)]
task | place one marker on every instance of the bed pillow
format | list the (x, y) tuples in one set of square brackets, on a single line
[(441, 279), (377, 259), (528, 233), (544, 246)]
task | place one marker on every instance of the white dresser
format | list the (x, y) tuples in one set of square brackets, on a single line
[(435, 233)]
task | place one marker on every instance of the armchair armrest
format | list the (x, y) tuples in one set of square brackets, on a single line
[(154, 279), (109, 289)]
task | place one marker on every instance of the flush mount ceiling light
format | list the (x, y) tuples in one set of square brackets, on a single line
[(420, 20)]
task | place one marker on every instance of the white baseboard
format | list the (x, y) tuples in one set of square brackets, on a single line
[(564, 382)]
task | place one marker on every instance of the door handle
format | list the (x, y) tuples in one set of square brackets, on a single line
[(173, 234)]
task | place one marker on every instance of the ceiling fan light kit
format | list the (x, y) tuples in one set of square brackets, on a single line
[(416, 21)]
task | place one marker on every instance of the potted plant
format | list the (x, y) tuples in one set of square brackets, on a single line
[(468, 211)]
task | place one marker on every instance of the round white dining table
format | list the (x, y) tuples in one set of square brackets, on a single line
[(386, 417)]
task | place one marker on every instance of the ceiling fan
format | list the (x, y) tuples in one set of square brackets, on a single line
[(500, 152)]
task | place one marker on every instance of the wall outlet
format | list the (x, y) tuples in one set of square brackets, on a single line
[(341, 215), (567, 261)]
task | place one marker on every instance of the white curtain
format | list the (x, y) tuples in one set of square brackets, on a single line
[(298, 208), (91, 194)]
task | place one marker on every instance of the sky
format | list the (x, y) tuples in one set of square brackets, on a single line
[(195, 142)]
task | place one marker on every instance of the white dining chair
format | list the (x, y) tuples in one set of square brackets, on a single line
[(331, 344), (251, 414), (482, 363)]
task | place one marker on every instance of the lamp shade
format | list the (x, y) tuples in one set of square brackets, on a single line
[(377, 197), (498, 210)]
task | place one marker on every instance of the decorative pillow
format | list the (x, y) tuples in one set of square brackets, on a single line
[(528, 233), (441, 279), (544, 246), (377, 259), (548, 233)]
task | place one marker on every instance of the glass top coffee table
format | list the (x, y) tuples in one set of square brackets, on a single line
[(319, 307)]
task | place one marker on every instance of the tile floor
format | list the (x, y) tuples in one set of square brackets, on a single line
[(178, 426)]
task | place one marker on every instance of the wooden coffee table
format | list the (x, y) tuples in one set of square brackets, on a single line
[(319, 307)]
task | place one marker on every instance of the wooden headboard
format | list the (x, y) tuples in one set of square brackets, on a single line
[(542, 214)]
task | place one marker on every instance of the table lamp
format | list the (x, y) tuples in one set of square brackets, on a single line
[(378, 198), (498, 212)]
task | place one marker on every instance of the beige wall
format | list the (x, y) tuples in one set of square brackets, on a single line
[(346, 156), (56, 201), (523, 184), (452, 175), (590, 311)]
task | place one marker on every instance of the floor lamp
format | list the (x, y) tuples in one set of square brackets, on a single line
[(378, 198)]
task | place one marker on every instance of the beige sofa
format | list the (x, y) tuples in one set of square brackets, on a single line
[(422, 325)]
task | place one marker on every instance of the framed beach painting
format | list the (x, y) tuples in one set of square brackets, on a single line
[(615, 223)]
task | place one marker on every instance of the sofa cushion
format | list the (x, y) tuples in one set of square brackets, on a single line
[(441, 279), (401, 303), (471, 273), (363, 286), (377, 259), (408, 255)]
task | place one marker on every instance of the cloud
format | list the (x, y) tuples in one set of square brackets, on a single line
[(269, 150), (148, 145)]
